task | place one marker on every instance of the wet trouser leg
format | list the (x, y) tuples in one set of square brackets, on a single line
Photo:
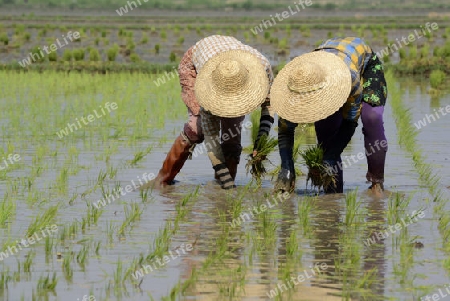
[(326, 129), (375, 141), (286, 176)]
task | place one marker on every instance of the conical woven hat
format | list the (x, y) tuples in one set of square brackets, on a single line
[(232, 84), (311, 87)]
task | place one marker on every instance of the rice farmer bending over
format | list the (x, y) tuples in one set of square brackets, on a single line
[(332, 86), (228, 79)]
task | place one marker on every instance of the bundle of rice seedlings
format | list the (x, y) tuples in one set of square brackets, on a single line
[(255, 164), (317, 171)]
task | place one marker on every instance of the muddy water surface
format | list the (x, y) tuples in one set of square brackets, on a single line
[(320, 241)]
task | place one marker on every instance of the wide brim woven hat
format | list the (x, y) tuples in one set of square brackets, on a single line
[(311, 87), (232, 84)]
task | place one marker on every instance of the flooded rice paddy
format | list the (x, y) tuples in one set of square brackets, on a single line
[(75, 226)]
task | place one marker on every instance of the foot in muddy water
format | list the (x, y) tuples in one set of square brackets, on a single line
[(156, 184), (377, 190)]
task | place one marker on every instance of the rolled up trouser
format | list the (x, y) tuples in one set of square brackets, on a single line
[(286, 176), (212, 125), (193, 128), (326, 129), (375, 142), (230, 137)]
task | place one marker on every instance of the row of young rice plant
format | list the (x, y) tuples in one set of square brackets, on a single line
[(79, 138), (407, 139)]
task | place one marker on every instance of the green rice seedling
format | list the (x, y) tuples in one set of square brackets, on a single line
[(73, 198), (144, 39), (7, 209), (396, 206), (49, 242), (163, 35), (66, 267), (425, 51), (82, 256), (135, 58), (437, 78), (180, 41), (317, 171), (131, 45), (78, 54), (352, 208), (172, 57), (407, 139), (84, 225), (118, 275), (412, 52), (42, 220), (65, 233), (94, 55), (112, 172), (112, 52), (304, 211), (42, 32), (236, 208), (101, 177), (157, 48), (97, 247), (36, 52), (47, 283), (73, 229), (110, 229), (5, 278), (19, 29), (269, 228), (26, 36), (4, 38), (444, 228), (283, 44), (138, 156), (293, 249), (402, 54), (368, 279), (67, 55), (255, 164), (28, 261), (62, 180)]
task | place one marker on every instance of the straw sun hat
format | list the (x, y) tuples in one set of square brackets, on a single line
[(232, 84), (311, 87)]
